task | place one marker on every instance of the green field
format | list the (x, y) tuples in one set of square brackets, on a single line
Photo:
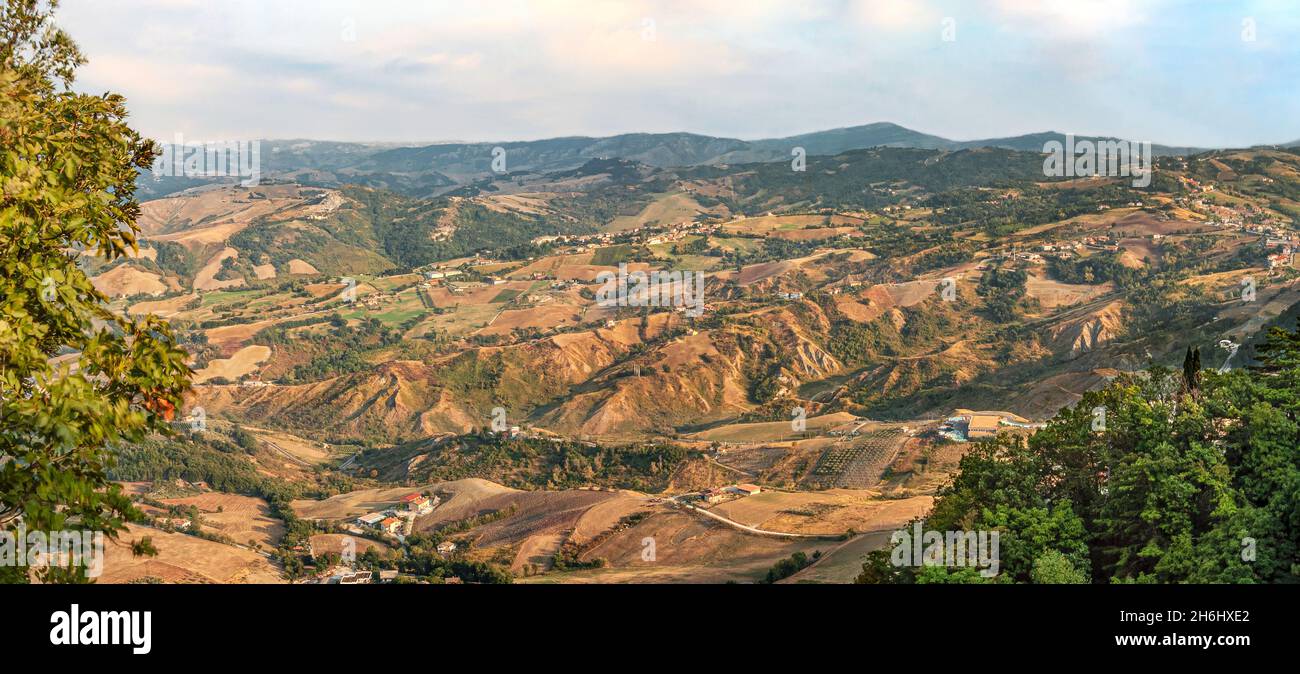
[(506, 295), (738, 243), (218, 297), (612, 255)]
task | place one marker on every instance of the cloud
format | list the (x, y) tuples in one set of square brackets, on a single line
[(511, 69), (895, 14), (1070, 17)]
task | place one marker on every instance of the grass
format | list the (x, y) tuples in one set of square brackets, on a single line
[(400, 315), (272, 300), (612, 255), (506, 295), (669, 208), (468, 318), (389, 282), (742, 244), (217, 297), (696, 263)]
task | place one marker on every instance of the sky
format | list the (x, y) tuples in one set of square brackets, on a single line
[(1178, 72)]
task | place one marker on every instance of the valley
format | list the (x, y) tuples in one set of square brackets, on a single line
[(353, 345)]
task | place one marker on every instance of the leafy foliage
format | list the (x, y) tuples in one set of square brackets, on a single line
[(68, 165), (1194, 477)]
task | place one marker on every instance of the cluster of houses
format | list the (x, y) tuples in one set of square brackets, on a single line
[(377, 299), (647, 234), (1194, 184), (1283, 244), (1063, 250), (397, 521), (1245, 217), (679, 231), (1284, 248), (1287, 257), (580, 242), (842, 285), (343, 574), (719, 494)]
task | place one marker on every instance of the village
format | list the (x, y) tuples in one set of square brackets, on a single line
[(397, 522)]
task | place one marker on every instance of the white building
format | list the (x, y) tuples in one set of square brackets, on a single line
[(371, 519)]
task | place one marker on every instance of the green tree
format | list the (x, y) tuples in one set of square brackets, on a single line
[(1054, 568), (144, 547), (1193, 477), (68, 166)]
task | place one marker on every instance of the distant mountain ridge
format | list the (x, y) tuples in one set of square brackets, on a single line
[(441, 167), (668, 150)]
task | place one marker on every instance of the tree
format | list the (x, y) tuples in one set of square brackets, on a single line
[(144, 547), (1054, 568), (1192, 371), (1193, 477), (68, 166)]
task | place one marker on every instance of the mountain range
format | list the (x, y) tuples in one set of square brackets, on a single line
[(438, 168)]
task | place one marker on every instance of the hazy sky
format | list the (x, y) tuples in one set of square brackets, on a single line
[(1169, 71)]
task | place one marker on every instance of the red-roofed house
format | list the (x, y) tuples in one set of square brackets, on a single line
[(418, 504)]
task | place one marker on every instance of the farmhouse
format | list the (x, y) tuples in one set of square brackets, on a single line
[(370, 519), (419, 504), (713, 495), (446, 548), (391, 525), (354, 578)]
